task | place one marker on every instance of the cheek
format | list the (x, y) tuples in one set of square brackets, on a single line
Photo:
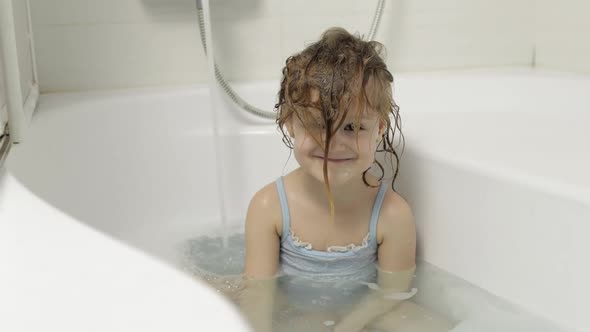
[(303, 145), (367, 145)]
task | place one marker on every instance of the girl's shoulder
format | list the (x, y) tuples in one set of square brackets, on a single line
[(395, 216), (395, 203), (265, 208)]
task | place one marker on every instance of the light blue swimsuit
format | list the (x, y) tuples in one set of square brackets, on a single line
[(313, 278)]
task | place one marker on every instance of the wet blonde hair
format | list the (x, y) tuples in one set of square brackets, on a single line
[(330, 77)]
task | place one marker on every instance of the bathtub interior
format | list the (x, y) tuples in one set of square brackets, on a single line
[(140, 165)]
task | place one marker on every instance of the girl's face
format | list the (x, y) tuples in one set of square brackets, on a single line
[(348, 158)]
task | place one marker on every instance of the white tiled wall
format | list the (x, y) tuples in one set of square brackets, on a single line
[(109, 44), (84, 44), (562, 29), (425, 35)]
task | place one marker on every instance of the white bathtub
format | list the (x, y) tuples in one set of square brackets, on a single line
[(59, 274), (497, 174), (139, 166)]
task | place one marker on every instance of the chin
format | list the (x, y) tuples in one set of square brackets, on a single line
[(337, 175)]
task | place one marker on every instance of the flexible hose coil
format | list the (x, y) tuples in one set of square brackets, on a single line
[(228, 89)]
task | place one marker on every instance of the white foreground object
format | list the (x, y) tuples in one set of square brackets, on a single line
[(60, 275)]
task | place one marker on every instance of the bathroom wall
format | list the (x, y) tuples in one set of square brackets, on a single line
[(84, 44), (107, 44), (561, 33)]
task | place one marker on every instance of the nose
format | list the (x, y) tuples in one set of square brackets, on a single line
[(337, 141)]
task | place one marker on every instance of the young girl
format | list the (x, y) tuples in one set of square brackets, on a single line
[(331, 229)]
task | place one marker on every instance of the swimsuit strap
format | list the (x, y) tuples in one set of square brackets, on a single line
[(377, 208), (284, 205)]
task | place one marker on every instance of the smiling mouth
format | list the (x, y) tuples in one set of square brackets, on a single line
[(335, 160)]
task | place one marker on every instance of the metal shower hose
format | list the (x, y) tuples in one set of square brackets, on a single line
[(232, 94)]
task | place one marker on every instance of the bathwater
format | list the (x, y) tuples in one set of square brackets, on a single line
[(443, 302)]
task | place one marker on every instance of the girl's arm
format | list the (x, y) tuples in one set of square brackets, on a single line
[(262, 259), (397, 262)]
